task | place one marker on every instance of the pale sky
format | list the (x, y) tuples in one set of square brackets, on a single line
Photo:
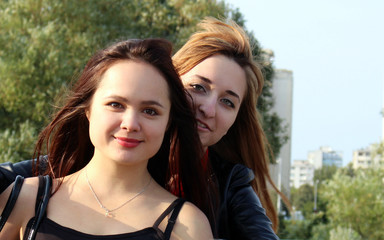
[(335, 49)]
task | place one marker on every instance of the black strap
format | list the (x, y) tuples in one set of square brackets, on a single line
[(43, 195), (11, 201), (40, 193), (172, 219), (175, 207)]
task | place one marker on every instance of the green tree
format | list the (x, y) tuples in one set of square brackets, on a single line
[(302, 199), (357, 202), (325, 173), (315, 225), (377, 155), (295, 229), (45, 43), (320, 232), (303, 229), (321, 176), (340, 233), (348, 170)]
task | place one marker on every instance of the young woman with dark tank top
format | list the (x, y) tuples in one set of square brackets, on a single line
[(124, 132)]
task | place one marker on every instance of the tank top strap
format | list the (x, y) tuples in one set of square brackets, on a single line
[(42, 198), (175, 207), (40, 193)]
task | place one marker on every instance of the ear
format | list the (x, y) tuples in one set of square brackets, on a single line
[(87, 113)]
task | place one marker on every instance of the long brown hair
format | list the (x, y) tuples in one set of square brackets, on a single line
[(245, 142), (66, 138)]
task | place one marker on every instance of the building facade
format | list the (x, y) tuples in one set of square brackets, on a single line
[(365, 158), (325, 156), (282, 91), (302, 172)]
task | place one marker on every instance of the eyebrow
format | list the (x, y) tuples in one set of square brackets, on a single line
[(123, 99), (207, 80)]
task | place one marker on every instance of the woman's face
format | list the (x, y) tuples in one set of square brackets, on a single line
[(129, 112), (217, 86)]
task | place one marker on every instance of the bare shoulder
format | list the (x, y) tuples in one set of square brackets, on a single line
[(23, 210), (27, 194), (192, 224)]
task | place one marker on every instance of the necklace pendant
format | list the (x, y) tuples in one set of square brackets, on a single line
[(108, 213)]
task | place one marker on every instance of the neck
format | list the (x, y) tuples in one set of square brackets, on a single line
[(205, 148), (111, 175), (109, 212)]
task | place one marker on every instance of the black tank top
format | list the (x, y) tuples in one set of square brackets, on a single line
[(50, 230)]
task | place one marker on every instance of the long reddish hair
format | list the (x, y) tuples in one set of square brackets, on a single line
[(245, 142), (66, 140)]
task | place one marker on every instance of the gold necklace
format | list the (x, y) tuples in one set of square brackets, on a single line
[(109, 211)]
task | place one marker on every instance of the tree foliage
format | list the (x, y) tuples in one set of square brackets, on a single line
[(377, 155), (302, 199), (357, 202), (315, 224), (340, 233), (303, 229), (321, 232), (325, 173), (296, 230), (45, 43), (350, 205)]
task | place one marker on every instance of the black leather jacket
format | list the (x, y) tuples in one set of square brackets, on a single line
[(241, 215), (9, 171)]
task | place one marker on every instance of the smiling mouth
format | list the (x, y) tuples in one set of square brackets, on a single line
[(128, 143), (202, 125)]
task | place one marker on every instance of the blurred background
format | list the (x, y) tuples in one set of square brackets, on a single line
[(322, 104)]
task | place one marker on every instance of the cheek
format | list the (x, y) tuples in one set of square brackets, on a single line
[(155, 133), (227, 120), (164, 127), (102, 122), (156, 128)]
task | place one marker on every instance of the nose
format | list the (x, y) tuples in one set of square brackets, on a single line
[(208, 107), (130, 121)]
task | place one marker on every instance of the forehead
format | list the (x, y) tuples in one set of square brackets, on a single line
[(133, 78), (222, 72)]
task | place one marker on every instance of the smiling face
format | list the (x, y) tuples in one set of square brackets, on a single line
[(217, 86), (129, 112)]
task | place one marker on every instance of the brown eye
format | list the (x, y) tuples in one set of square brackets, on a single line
[(115, 105), (228, 102), (150, 111), (198, 87)]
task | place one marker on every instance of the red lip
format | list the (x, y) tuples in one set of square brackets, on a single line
[(127, 142)]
